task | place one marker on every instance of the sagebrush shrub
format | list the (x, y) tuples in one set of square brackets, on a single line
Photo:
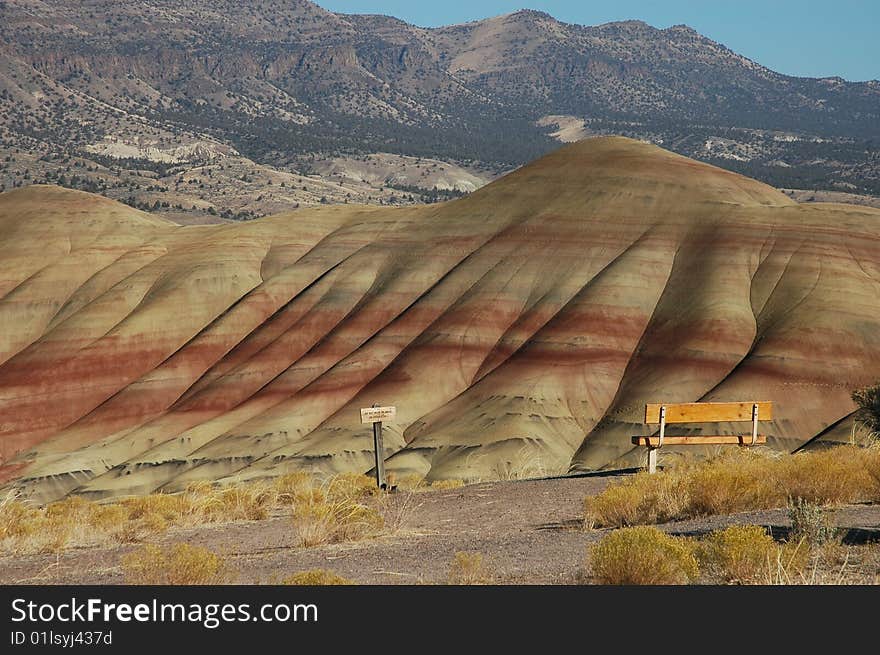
[(738, 554), (316, 577), (642, 556), (810, 522), (180, 564)]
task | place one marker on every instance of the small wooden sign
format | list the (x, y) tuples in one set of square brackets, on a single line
[(376, 414)]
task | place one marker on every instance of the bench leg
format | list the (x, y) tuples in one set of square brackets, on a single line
[(652, 460)]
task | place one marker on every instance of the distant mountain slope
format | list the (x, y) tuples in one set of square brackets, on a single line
[(521, 327), (281, 81)]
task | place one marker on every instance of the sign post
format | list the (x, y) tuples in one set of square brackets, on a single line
[(376, 415), (379, 450)]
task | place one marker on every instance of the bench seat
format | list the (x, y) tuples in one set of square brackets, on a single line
[(698, 440)]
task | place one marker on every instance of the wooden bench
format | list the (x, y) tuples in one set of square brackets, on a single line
[(664, 413)]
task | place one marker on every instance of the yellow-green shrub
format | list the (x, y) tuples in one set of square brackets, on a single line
[(180, 564), (316, 577), (642, 556), (738, 554)]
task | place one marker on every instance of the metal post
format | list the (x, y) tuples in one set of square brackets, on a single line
[(380, 456), (754, 424), (652, 460), (662, 426), (652, 452)]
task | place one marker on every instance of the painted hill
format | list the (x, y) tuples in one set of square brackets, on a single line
[(524, 325)]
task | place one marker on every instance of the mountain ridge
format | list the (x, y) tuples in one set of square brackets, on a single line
[(284, 85)]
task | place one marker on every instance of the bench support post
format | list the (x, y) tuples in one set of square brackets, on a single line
[(754, 424), (652, 452), (652, 460), (662, 426)]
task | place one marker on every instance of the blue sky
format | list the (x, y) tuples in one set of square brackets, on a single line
[(796, 37)]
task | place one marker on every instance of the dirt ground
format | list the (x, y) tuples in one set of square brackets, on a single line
[(529, 532)]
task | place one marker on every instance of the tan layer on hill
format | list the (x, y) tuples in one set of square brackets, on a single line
[(522, 327)]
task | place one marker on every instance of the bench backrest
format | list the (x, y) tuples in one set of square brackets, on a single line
[(708, 412)]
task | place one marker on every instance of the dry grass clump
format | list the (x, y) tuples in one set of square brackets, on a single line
[(835, 564), (316, 577), (137, 518), (136, 530), (17, 520), (27, 527), (862, 435), (411, 482), (838, 474), (469, 568), (291, 487), (169, 507), (330, 522), (205, 503), (872, 466), (443, 485), (107, 518), (180, 564), (644, 498), (396, 510), (642, 556), (325, 512), (351, 486), (334, 513), (144, 516), (797, 563), (737, 481), (527, 463)]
